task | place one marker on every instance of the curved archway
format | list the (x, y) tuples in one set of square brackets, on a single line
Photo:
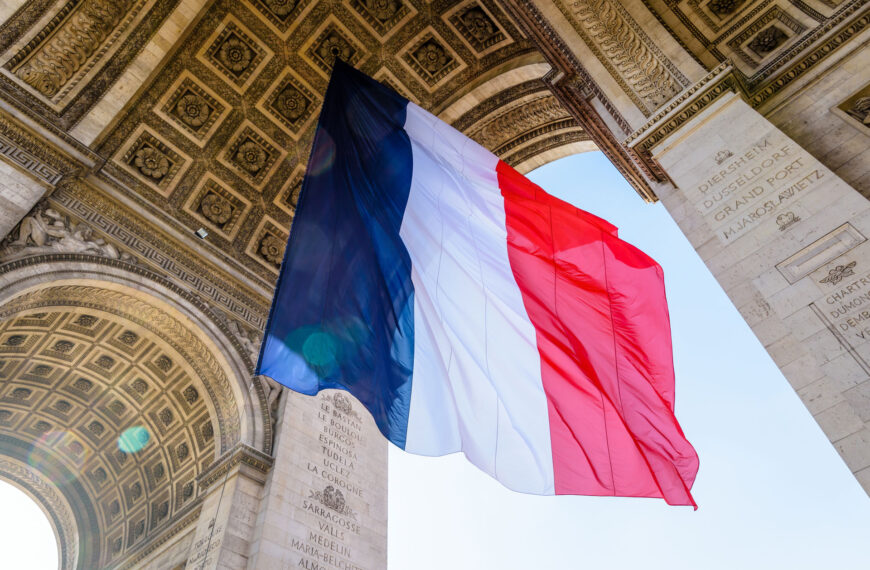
[(121, 391), (40, 514)]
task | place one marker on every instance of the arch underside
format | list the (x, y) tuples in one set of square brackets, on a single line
[(219, 136), (115, 402)]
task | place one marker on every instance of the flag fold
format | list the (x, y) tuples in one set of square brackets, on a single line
[(468, 310)]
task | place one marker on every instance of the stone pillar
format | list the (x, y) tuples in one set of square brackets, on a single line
[(324, 505), (18, 194), (787, 240), (225, 527), (30, 168)]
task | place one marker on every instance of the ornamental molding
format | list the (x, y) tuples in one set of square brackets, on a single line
[(240, 455), (723, 79), (557, 53), (726, 78), (182, 520), (78, 37), (762, 90), (157, 249), (235, 332), (506, 129), (643, 72), (33, 154)]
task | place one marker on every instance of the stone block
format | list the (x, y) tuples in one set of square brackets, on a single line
[(839, 421), (855, 449), (821, 395), (859, 398)]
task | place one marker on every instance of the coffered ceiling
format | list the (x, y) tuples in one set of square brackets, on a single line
[(219, 136)]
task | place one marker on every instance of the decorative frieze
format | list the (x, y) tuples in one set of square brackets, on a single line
[(64, 51), (32, 154), (638, 66)]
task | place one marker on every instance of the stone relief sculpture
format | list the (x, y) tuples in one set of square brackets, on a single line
[(45, 230), (248, 338), (82, 33), (641, 69), (861, 110)]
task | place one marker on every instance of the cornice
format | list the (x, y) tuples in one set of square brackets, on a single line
[(726, 78), (240, 454), (722, 79), (38, 157)]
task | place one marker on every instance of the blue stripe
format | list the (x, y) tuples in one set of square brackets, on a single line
[(343, 316)]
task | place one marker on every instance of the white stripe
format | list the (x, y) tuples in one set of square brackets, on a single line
[(477, 372)]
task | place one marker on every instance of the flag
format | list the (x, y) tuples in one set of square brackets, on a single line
[(468, 310)]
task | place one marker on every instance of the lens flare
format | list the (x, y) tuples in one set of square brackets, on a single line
[(319, 350), (53, 443), (324, 155), (133, 439)]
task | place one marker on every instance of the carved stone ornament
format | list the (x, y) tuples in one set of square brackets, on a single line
[(724, 8), (383, 10), (839, 273), (722, 156), (251, 156), (235, 54), (59, 58), (291, 103), (192, 109), (248, 338), (343, 404), (767, 40), (861, 110), (151, 162), (216, 209), (786, 220), (644, 73), (333, 46), (332, 498), (280, 7), (272, 249), (45, 230)]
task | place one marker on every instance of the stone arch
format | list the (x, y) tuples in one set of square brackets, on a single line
[(58, 511), (510, 110), (94, 352)]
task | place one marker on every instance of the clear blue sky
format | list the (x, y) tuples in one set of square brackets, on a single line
[(772, 492)]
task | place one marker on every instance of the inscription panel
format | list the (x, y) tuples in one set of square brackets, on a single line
[(755, 185), (785, 237), (331, 476)]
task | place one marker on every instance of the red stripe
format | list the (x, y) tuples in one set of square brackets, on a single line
[(599, 310)]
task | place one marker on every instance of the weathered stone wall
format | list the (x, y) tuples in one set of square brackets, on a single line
[(325, 504), (829, 117), (786, 239)]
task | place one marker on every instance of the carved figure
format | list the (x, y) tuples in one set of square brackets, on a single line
[(861, 110), (46, 230)]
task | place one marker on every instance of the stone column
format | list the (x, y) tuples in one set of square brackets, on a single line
[(225, 527), (324, 505), (786, 239), (30, 168)]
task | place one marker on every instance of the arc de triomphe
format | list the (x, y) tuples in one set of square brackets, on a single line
[(128, 408)]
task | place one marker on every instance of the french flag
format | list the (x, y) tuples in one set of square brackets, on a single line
[(468, 310)]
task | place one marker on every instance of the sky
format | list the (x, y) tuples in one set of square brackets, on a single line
[(772, 491), (26, 539)]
